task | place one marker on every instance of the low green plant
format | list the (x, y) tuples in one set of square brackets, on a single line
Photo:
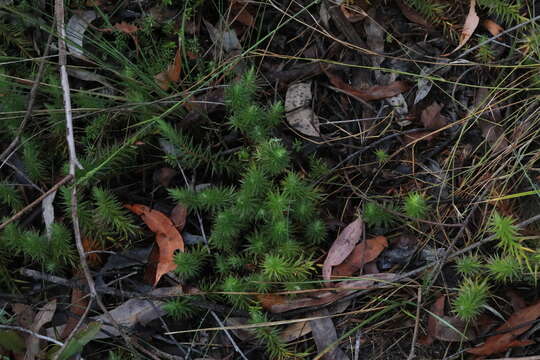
[(504, 268), (382, 156), (265, 218), (472, 296), (376, 215), (507, 234), (469, 265), (415, 205)]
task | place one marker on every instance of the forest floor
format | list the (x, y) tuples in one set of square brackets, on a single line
[(280, 179)]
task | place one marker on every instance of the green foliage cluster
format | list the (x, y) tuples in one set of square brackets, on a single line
[(264, 227), (513, 264), (383, 215)]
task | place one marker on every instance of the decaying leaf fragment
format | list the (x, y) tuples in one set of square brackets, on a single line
[(298, 109), (168, 240), (362, 254), (172, 74), (342, 247), (471, 22), (75, 29), (507, 334)]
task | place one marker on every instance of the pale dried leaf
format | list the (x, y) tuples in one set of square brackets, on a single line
[(324, 334), (44, 315), (471, 23), (75, 29), (342, 247), (47, 211), (298, 109)]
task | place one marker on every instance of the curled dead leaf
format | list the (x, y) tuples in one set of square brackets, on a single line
[(168, 241), (342, 247), (172, 74), (491, 26), (376, 92), (470, 25), (363, 253), (517, 324)]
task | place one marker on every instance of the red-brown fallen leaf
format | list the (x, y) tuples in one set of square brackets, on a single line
[(178, 216), (278, 303), (471, 23), (376, 92), (342, 247), (168, 240), (517, 324), (431, 117), (411, 14), (362, 254), (79, 302), (128, 29), (441, 327), (516, 300), (241, 14), (353, 13), (172, 74), (491, 26), (437, 309)]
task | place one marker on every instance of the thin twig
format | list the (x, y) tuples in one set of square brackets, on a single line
[(35, 202), (236, 348), (75, 329), (416, 324), (39, 336), (74, 164)]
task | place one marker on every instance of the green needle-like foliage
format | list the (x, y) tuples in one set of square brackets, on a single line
[(180, 308), (468, 265), (415, 205), (472, 296), (190, 264), (375, 215), (10, 197), (506, 232), (505, 268), (111, 214), (269, 337)]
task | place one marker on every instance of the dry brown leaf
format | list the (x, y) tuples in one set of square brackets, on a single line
[(411, 14), (342, 247), (279, 303), (431, 117), (437, 309), (517, 324), (172, 74), (362, 254), (179, 215), (376, 92), (353, 13), (471, 23), (79, 302), (241, 14), (44, 315), (491, 26), (443, 328), (295, 331), (168, 241), (489, 122), (325, 336), (164, 176)]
